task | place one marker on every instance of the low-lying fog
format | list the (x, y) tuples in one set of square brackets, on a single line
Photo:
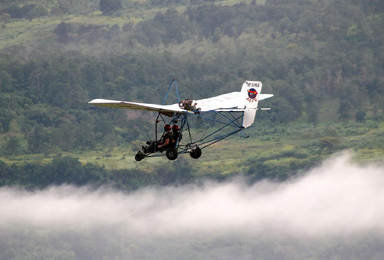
[(336, 200)]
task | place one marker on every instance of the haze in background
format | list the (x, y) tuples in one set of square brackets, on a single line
[(338, 200)]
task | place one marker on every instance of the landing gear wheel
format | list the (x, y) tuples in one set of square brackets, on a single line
[(171, 154), (195, 154), (139, 156)]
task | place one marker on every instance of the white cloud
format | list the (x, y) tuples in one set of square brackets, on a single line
[(337, 198)]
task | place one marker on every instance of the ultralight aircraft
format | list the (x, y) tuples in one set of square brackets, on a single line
[(236, 110)]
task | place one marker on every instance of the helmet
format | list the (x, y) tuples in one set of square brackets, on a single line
[(167, 127), (175, 128)]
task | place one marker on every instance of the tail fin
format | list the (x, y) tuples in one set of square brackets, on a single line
[(250, 93)]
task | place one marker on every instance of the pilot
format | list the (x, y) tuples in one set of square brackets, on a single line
[(166, 139)]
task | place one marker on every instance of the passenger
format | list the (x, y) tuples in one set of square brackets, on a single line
[(176, 134), (166, 139)]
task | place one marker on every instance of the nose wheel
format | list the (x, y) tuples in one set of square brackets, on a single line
[(139, 156)]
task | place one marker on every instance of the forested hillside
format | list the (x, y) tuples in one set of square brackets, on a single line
[(70, 188), (322, 59)]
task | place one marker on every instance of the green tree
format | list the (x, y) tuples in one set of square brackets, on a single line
[(65, 170), (110, 141), (104, 125), (13, 146), (63, 32), (6, 116), (64, 136), (85, 137), (33, 10), (331, 131), (14, 10), (6, 81), (38, 140), (3, 173), (344, 109), (330, 143), (360, 116), (4, 18), (313, 114), (285, 112), (110, 6)]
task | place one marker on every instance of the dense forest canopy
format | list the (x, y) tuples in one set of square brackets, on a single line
[(305, 53)]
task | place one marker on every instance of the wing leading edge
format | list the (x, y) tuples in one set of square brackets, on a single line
[(166, 110)]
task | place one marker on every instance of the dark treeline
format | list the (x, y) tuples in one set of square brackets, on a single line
[(68, 170)]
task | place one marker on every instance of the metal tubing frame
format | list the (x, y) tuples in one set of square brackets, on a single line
[(221, 137), (221, 128), (218, 121), (202, 143), (218, 139), (169, 90)]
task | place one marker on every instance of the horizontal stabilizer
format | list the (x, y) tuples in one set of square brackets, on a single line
[(265, 96)]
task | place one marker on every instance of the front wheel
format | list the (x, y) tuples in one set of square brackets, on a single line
[(195, 154), (139, 156), (171, 154)]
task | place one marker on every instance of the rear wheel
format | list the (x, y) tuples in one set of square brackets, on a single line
[(139, 156), (171, 154), (195, 154)]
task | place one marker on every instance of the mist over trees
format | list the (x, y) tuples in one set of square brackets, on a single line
[(311, 217)]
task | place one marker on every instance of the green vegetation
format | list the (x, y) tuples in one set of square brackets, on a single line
[(273, 152), (323, 60)]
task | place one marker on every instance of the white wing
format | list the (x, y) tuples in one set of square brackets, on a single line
[(166, 110), (234, 101), (244, 101), (225, 102)]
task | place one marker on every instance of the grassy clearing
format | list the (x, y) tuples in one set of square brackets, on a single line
[(25, 32), (22, 32), (17, 32)]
